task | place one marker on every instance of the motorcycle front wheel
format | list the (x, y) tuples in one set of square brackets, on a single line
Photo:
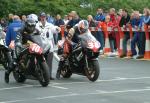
[(93, 70), (43, 74), (19, 77)]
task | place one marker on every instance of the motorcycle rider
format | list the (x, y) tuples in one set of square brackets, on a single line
[(74, 35), (47, 30), (22, 35), (10, 38)]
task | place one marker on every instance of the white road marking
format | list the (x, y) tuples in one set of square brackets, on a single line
[(119, 78), (109, 80), (57, 96), (122, 91), (77, 94), (18, 87), (14, 101), (59, 87), (58, 83)]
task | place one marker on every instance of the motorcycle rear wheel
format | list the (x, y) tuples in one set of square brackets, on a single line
[(65, 72)]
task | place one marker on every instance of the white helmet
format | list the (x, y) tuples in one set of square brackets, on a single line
[(33, 17), (83, 26)]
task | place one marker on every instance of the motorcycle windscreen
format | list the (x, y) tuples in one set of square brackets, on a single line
[(42, 42), (87, 37)]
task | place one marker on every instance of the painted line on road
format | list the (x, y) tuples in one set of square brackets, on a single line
[(13, 101), (53, 84), (98, 92), (120, 78), (109, 80), (59, 87), (57, 96), (18, 87), (122, 91)]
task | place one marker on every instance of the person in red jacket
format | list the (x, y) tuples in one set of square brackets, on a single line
[(108, 24), (115, 18)]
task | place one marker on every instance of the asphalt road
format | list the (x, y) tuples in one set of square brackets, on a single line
[(120, 81)]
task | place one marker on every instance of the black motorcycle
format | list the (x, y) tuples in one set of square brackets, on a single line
[(31, 63), (82, 59), (3, 56)]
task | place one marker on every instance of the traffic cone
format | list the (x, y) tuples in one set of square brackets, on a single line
[(107, 44), (147, 46), (129, 52), (121, 33)]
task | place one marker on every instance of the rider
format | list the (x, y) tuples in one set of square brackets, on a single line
[(23, 34), (10, 38), (74, 35)]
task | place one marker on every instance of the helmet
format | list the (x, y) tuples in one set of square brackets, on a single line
[(33, 16), (83, 26), (30, 24)]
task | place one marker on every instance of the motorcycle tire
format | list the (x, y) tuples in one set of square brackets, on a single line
[(20, 78), (66, 72), (93, 71), (44, 75), (3, 60)]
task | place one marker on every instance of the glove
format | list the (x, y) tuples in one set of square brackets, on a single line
[(12, 45)]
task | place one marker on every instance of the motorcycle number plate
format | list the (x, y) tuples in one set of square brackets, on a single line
[(34, 48), (93, 44)]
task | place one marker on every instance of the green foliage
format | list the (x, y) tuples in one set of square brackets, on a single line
[(63, 7)]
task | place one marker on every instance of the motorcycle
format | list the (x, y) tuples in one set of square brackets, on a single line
[(31, 63), (82, 59), (3, 50)]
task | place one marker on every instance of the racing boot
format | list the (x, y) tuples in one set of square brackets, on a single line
[(10, 67)]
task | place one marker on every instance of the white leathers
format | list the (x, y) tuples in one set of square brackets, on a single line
[(47, 30)]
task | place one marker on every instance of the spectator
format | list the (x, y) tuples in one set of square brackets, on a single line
[(111, 34), (66, 19), (74, 21), (99, 16), (124, 22), (23, 18), (10, 18), (92, 24), (58, 23), (50, 19), (100, 34), (138, 37)]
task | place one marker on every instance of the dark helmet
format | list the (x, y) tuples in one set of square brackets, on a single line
[(83, 26), (30, 24)]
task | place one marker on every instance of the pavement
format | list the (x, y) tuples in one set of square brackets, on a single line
[(120, 81)]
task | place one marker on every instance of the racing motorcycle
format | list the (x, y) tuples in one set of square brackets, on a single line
[(82, 59), (3, 51), (31, 63)]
